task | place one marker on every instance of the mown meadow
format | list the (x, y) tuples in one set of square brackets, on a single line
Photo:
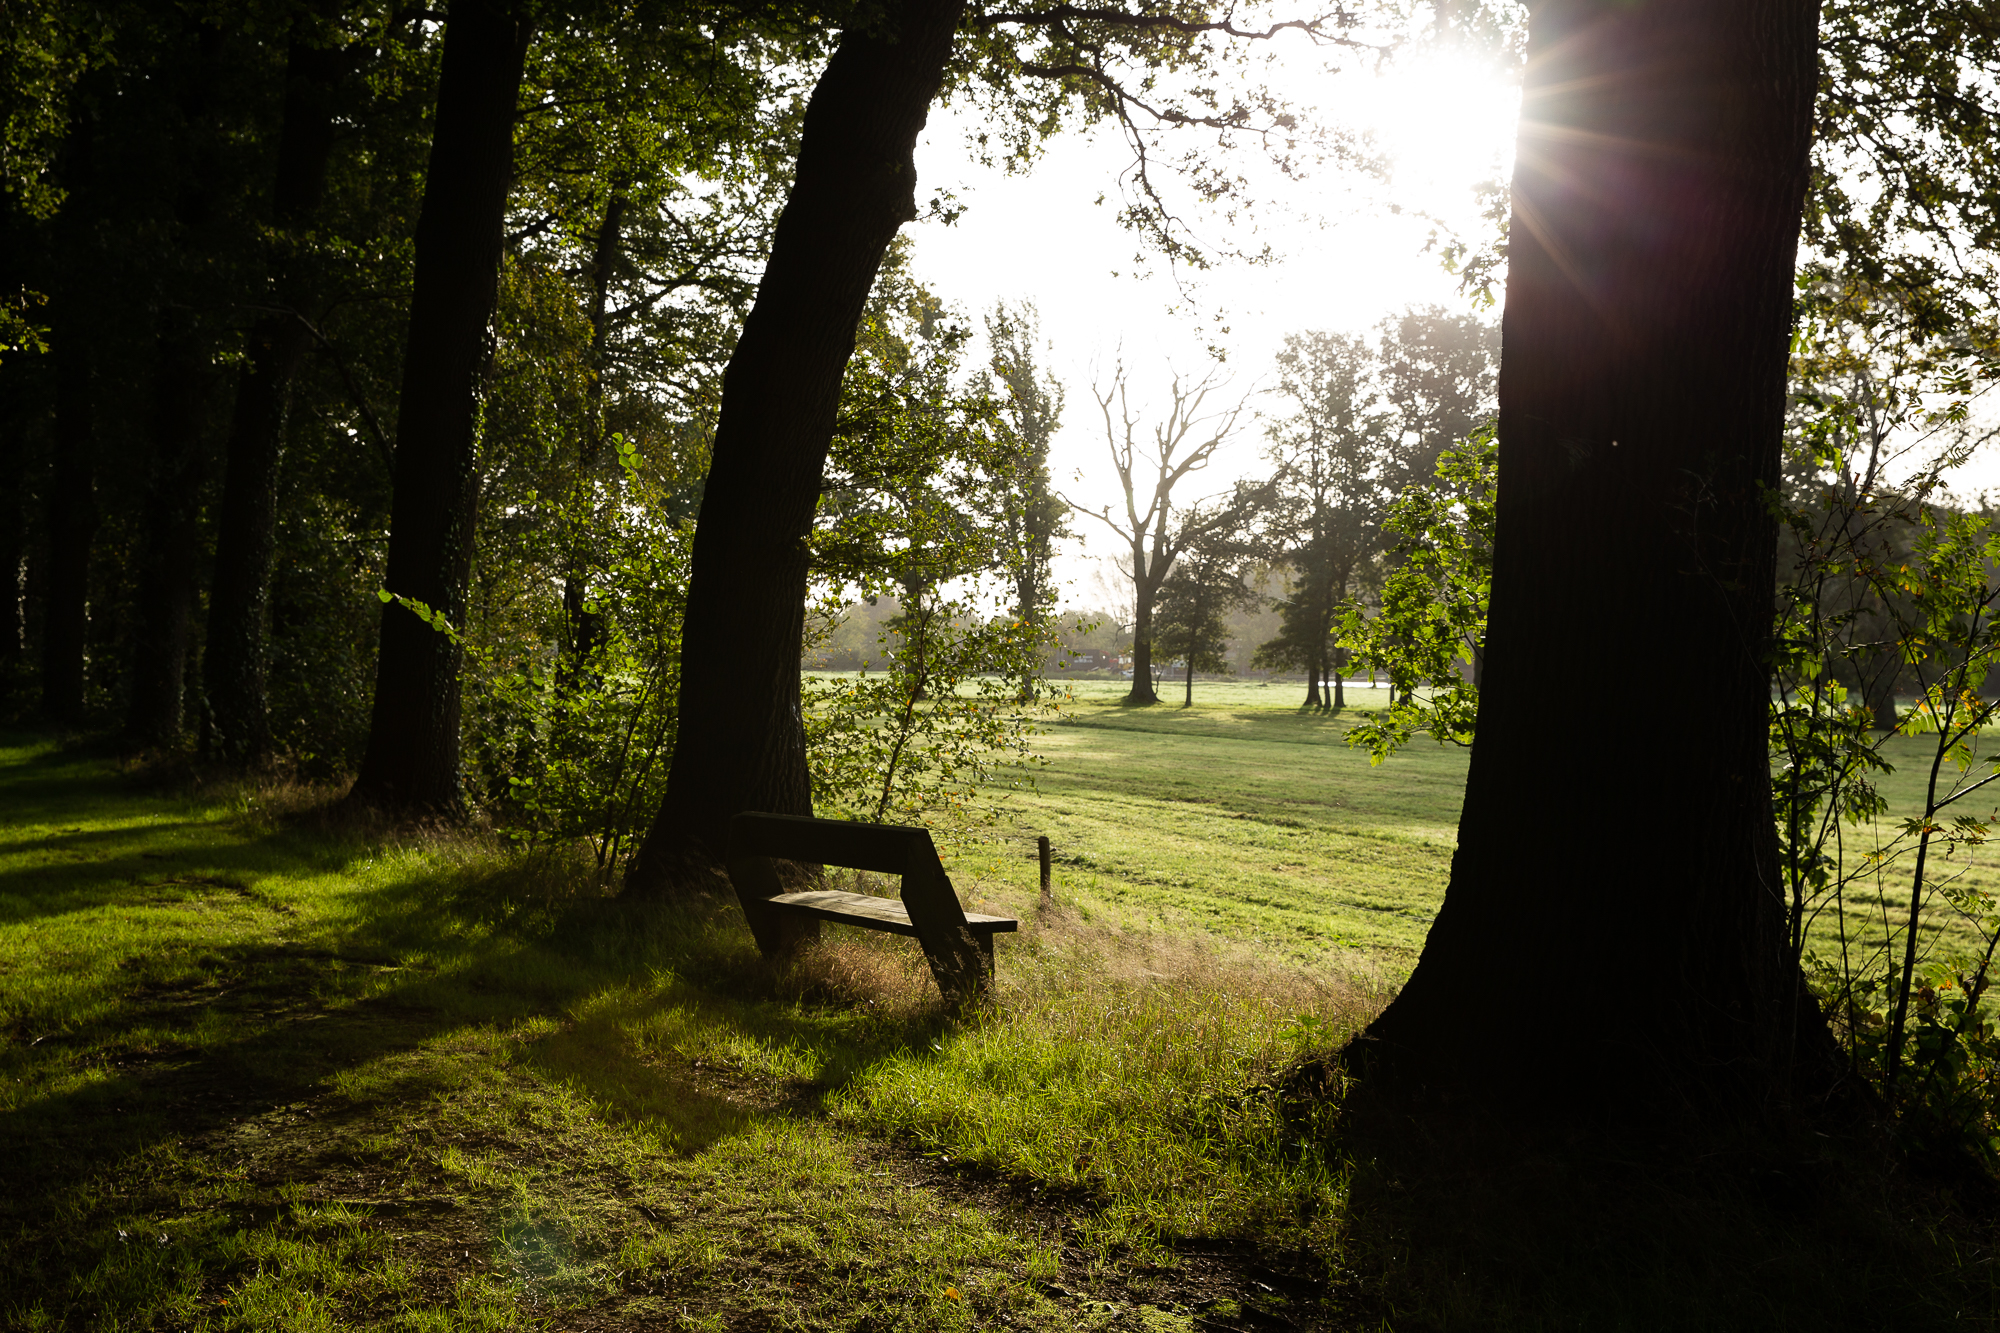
[(267, 1068)]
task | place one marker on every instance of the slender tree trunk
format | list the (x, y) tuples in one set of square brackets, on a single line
[(587, 627), (165, 607), (72, 520), (412, 757), (1338, 669), (238, 721), (1312, 684), (72, 494), (1657, 195), (741, 743), (1188, 702), (1879, 689), (914, 631), (1143, 691), (15, 419)]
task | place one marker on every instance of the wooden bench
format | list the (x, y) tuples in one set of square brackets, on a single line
[(958, 944)]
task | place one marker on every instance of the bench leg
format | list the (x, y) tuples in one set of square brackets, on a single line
[(778, 933)]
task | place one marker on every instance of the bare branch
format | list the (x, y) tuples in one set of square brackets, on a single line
[(1057, 15)]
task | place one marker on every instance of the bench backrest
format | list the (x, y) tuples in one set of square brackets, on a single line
[(757, 839)]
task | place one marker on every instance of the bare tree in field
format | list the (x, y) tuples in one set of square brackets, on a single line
[(1153, 530)]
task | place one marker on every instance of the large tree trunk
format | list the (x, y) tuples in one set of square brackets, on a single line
[(741, 744), (1661, 170), (1312, 683), (246, 529), (412, 758), (164, 611)]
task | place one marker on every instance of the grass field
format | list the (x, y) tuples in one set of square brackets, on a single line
[(262, 1071), (1244, 819), (265, 1070)]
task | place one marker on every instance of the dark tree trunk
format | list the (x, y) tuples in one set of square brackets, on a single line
[(586, 628), (741, 744), (163, 614), (1879, 689), (1336, 670), (1188, 701), (1312, 684), (246, 528), (72, 520), (14, 422), (72, 494), (412, 757), (1661, 170), (1143, 691)]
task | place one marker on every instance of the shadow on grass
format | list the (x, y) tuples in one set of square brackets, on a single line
[(480, 939)]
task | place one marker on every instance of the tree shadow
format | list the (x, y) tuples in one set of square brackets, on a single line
[(245, 1028)]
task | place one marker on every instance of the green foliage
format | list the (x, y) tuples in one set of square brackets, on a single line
[(46, 46), (1335, 453), (918, 743), (1904, 191), (1432, 621), (929, 489), (1190, 621), (581, 739)]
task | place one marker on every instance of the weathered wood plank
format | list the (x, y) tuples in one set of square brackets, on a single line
[(861, 909), (882, 848)]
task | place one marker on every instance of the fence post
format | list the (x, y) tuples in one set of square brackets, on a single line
[(1048, 894)]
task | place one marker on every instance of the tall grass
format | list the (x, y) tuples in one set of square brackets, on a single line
[(1142, 1081)]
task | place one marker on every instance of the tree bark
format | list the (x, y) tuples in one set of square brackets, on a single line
[(411, 763), (72, 496), (1661, 172), (163, 615), (13, 542), (741, 743), (239, 724), (1142, 691), (586, 628), (1312, 684)]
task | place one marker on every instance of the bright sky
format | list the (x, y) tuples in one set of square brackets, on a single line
[(1344, 259)]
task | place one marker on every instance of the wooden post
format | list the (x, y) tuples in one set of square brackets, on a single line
[(1048, 894)]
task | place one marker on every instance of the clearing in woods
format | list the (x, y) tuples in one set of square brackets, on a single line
[(263, 1070)]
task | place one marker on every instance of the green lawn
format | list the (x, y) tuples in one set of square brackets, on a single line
[(1243, 818), (262, 1069)]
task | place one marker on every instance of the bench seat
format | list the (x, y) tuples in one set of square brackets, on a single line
[(872, 913)]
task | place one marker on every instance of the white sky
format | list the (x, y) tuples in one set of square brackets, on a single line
[(1344, 260)]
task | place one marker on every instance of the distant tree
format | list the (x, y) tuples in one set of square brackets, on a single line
[(1336, 455), (922, 473), (1033, 516), (1436, 372), (1206, 584), (1153, 531)]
